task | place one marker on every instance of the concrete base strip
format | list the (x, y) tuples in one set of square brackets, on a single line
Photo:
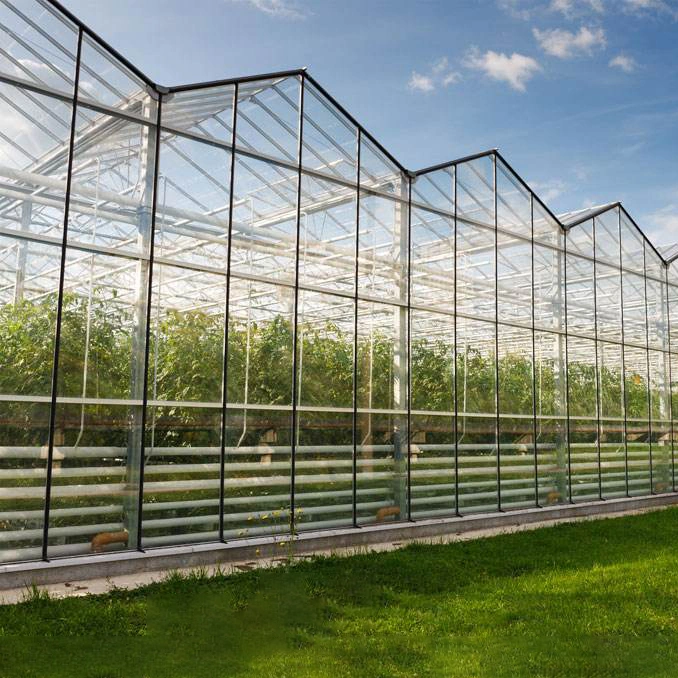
[(120, 564)]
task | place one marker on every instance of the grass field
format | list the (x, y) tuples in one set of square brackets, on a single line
[(588, 599)]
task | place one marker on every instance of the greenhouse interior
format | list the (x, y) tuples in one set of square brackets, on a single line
[(226, 311)]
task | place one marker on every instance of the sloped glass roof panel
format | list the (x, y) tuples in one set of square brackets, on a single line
[(38, 45), (475, 190), (435, 189)]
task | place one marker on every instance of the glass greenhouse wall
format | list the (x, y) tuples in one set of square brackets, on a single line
[(226, 311)]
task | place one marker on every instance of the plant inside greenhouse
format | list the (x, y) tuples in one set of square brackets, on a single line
[(227, 312)]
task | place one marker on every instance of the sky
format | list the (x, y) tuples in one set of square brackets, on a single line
[(580, 96)]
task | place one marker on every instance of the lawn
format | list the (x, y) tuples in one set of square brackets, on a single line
[(588, 599)]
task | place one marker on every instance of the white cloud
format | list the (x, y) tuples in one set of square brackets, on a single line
[(549, 191), (565, 45), (649, 7), (516, 70), (625, 63), (283, 9), (571, 8), (421, 83), (440, 74)]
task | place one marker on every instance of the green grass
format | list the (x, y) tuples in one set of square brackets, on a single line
[(589, 599)]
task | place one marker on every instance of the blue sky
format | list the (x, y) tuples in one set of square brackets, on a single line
[(581, 96)]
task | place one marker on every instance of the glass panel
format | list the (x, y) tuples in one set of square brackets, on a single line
[(580, 296), (382, 407), (382, 264), (515, 370), (552, 457), (33, 161), (584, 462), (632, 246), (205, 112), (608, 302), (476, 377), (29, 279), (550, 378), (327, 235), (191, 222), (549, 288), (475, 190), (514, 211), (580, 239), (581, 377), (330, 139), (514, 281), (110, 207), (477, 464), (264, 220), (95, 479), (432, 267), (475, 271), (659, 385), (657, 325), (610, 369), (517, 462), (186, 353), (260, 345), (607, 237), (673, 314), (612, 459), (39, 45), (181, 475), (546, 228), (435, 189), (633, 294), (105, 80), (379, 172), (661, 456), (23, 461), (638, 450), (432, 465), (257, 473), (636, 383), (654, 266), (102, 331), (268, 117)]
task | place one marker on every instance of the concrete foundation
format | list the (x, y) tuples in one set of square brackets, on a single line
[(17, 575)]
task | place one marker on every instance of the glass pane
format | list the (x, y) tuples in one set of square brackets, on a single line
[(29, 280), (514, 281), (546, 228), (268, 117), (657, 325), (257, 474), (581, 377), (181, 475), (549, 374), (476, 378), (580, 239), (606, 227), (515, 370), (379, 172), (191, 222), (23, 461), (549, 288), (477, 464), (111, 207), (611, 370), (584, 460), (517, 462), (633, 295), (475, 271), (40, 45), (432, 253), (382, 262), (435, 189), (612, 459), (475, 190), (514, 209), (95, 479), (264, 220), (552, 458), (608, 302), (186, 353), (105, 80), (632, 255), (636, 383), (638, 446), (580, 296), (327, 235), (330, 139), (34, 155), (661, 456), (204, 112)]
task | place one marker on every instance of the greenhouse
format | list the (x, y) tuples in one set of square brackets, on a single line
[(226, 311)]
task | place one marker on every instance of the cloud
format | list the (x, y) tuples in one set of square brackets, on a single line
[(625, 63), (647, 7), (516, 70), (440, 74), (565, 45), (421, 83), (283, 9), (664, 224), (549, 191), (571, 8)]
